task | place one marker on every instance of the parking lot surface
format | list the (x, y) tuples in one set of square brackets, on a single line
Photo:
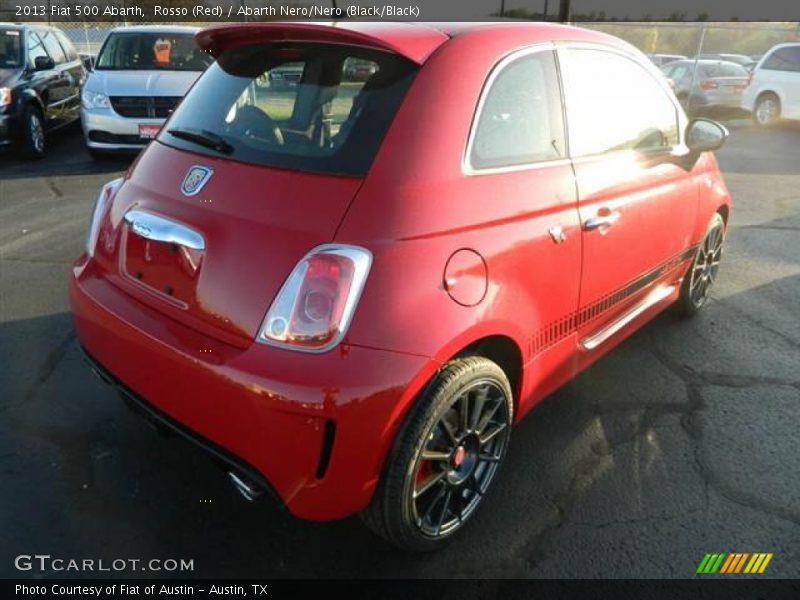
[(682, 441)]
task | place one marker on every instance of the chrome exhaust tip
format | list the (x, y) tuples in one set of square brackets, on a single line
[(248, 490)]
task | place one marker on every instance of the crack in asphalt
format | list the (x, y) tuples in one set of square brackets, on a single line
[(537, 548), (51, 361), (695, 381), (53, 187), (42, 261), (770, 227), (757, 322)]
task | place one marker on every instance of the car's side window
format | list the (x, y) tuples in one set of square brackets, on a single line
[(53, 47), (35, 48), (520, 119), (66, 44), (680, 72), (784, 59), (613, 103)]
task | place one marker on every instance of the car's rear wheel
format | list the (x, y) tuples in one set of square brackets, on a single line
[(446, 456), (702, 274), (767, 111), (33, 136)]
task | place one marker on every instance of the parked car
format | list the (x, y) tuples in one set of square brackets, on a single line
[(739, 59), (40, 79), (354, 316), (660, 60), (286, 75), (359, 70), (774, 90), (88, 60), (141, 74), (705, 84)]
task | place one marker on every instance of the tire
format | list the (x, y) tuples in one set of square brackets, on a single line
[(422, 502), (97, 155), (34, 140), (703, 271), (767, 111)]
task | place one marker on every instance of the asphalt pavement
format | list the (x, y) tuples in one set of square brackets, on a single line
[(682, 441)]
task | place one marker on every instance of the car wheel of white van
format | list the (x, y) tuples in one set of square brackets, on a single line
[(702, 274), (445, 457), (33, 136), (767, 110)]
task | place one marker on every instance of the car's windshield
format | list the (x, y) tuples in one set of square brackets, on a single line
[(724, 70), (10, 49), (312, 107), (146, 51)]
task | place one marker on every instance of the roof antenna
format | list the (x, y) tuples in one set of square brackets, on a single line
[(338, 13)]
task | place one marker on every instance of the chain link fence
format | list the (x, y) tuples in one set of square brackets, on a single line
[(678, 39), (694, 38), (683, 39)]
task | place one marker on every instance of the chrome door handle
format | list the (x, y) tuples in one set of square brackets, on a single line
[(604, 220), (159, 229)]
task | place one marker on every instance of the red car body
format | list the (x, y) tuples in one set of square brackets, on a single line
[(498, 260)]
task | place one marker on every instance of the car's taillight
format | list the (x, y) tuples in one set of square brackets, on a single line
[(316, 304), (102, 203), (707, 84), (749, 79)]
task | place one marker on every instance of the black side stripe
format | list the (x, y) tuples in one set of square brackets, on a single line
[(556, 331)]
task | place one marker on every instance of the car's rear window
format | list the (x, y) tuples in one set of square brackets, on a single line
[(311, 107), (724, 70), (10, 49)]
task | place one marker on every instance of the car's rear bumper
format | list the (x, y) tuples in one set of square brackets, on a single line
[(717, 100), (315, 428)]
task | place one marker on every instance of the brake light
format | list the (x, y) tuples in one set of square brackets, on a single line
[(316, 304), (101, 205), (749, 79), (707, 84)]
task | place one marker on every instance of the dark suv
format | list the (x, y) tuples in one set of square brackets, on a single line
[(41, 76)]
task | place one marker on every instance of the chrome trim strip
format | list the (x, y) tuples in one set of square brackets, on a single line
[(161, 229), (654, 297)]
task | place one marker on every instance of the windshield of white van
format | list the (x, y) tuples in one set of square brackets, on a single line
[(138, 51), (311, 107)]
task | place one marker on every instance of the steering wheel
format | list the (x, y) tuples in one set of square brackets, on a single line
[(253, 123)]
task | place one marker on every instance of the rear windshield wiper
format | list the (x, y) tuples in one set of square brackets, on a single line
[(203, 138)]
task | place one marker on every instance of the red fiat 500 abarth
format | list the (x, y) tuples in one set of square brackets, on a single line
[(349, 289)]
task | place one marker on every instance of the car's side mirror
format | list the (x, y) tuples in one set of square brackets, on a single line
[(43, 63), (705, 135)]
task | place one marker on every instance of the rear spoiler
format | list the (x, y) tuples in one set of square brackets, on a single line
[(413, 41)]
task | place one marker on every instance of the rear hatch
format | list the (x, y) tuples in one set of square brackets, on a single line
[(246, 178), (724, 78)]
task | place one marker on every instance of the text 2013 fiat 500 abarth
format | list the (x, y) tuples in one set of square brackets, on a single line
[(349, 289)]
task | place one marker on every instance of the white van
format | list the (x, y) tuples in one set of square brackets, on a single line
[(774, 90)]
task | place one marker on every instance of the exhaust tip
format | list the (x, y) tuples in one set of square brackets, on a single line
[(247, 489)]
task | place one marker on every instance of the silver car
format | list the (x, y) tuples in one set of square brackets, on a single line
[(706, 83), (140, 75)]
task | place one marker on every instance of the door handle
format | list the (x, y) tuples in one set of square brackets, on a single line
[(605, 218)]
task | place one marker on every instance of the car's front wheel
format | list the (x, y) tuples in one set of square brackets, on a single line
[(446, 456), (702, 274), (33, 136)]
